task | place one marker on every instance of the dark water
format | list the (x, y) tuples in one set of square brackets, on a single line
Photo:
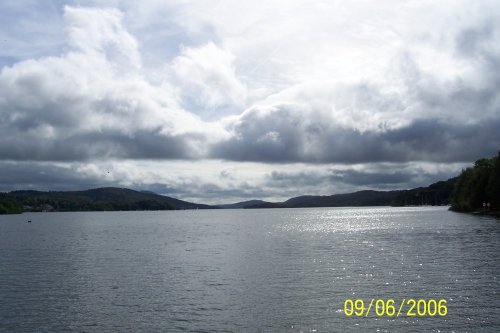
[(246, 270)]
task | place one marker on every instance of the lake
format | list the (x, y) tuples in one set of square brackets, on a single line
[(275, 270)]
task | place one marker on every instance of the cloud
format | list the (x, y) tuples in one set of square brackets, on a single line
[(332, 90), (354, 177), (186, 180), (175, 179), (98, 32), (330, 180), (47, 176), (92, 103), (207, 76), (294, 133), (412, 114)]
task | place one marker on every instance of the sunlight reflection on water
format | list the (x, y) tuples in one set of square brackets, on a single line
[(276, 270), (347, 220)]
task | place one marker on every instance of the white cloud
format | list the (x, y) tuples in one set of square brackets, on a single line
[(93, 102), (207, 76), (100, 32)]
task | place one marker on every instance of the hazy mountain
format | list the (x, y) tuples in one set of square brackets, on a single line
[(360, 198), (99, 199), (243, 204), (439, 193), (110, 199)]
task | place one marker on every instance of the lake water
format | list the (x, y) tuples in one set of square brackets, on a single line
[(275, 270)]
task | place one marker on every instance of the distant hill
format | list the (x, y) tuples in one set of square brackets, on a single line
[(360, 198), (99, 199), (356, 199), (266, 204), (111, 199), (243, 204), (439, 193)]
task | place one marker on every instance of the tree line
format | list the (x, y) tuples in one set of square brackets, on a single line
[(478, 187)]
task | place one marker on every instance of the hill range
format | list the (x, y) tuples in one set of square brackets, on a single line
[(116, 199)]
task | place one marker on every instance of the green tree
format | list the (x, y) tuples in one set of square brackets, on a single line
[(493, 188), (478, 185), (9, 206)]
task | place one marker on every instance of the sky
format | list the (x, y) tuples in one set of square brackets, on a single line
[(224, 101)]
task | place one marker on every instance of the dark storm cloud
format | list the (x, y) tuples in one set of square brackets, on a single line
[(286, 136), (96, 145), (406, 177), (39, 176)]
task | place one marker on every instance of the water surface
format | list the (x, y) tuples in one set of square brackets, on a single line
[(275, 270)]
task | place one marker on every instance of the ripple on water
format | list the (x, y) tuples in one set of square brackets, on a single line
[(246, 270)]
